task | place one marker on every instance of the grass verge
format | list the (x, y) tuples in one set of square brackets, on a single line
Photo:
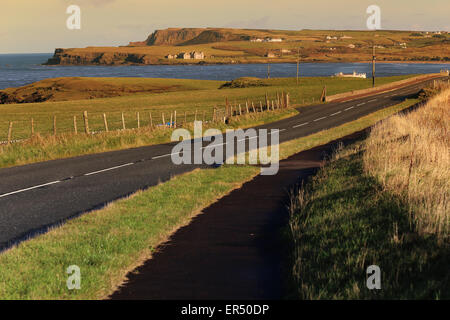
[(69, 145), (343, 221), (108, 243)]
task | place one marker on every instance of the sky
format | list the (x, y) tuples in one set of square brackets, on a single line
[(32, 26)]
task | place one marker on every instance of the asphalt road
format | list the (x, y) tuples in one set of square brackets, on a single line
[(37, 196)]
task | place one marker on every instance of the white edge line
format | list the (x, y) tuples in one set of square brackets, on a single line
[(300, 125), (27, 189), (108, 169), (335, 113)]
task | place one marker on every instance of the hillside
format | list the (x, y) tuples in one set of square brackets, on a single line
[(262, 46)]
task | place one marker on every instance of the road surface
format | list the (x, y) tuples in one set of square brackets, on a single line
[(37, 196)]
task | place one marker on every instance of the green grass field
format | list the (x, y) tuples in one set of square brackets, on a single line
[(343, 221), (108, 243), (185, 96)]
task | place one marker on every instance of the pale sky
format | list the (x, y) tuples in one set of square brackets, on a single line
[(28, 26)]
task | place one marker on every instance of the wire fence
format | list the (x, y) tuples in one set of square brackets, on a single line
[(101, 122)]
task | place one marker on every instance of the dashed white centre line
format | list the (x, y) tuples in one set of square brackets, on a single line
[(363, 103), (349, 108), (109, 169), (335, 113), (301, 125), (28, 189), (320, 119), (372, 100)]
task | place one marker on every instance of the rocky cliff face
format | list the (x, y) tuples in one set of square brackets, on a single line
[(172, 36), (69, 57), (189, 36)]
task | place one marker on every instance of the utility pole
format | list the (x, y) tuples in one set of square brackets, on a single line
[(373, 65), (298, 63), (268, 71)]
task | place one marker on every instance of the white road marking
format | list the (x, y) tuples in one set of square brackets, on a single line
[(109, 169), (335, 113), (28, 189), (300, 125), (372, 100), (349, 108), (363, 103), (320, 119)]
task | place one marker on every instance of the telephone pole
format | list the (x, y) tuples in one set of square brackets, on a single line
[(268, 71), (373, 65), (298, 62)]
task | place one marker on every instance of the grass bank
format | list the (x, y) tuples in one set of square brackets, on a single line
[(108, 243), (156, 96), (41, 148), (383, 201), (344, 221)]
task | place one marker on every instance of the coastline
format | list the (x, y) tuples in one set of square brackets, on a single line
[(207, 63)]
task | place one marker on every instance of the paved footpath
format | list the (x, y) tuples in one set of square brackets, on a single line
[(234, 249)]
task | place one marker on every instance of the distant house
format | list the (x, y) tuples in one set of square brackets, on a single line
[(197, 55), (351, 75), (256, 40), (351, 46), (171, 56), (270, 55), (331, 38), (273, 40), (184, 55), (285, 51), (346, 37)]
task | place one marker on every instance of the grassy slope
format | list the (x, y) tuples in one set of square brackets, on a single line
[(312, 43), (202, 96), (109, 242), (348, 222)]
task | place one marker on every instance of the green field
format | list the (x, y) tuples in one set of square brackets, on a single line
[(344, 221), (185, 96), (235, 46), (108, 243)]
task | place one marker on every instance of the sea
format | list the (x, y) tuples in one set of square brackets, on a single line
[(21, 69)]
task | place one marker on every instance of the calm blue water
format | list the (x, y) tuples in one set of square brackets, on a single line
[(21, 69)]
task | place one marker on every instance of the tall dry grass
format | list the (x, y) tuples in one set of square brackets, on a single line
[(409, 155)]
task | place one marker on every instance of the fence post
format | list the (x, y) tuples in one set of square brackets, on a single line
[(10, 132), (54, 125), (106, 122), (32, 127), (260, 106), (175, 119), (151, 120), (246, 106), (240, 110), (185, 118), (138, 120), (86, 122), (287, 100), (123, 122), (170, 123), (195, 118), (75, 129), (162, 118)]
